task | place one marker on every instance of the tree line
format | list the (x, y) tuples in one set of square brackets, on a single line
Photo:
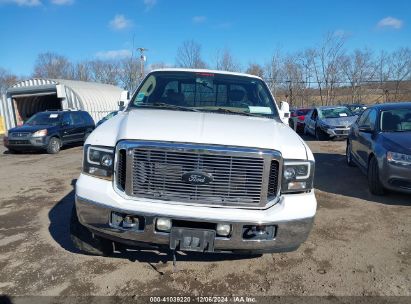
[(325, 74)]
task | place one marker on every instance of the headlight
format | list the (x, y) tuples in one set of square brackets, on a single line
[(40, 133), (298, 176), (398, 158), (98, 161)]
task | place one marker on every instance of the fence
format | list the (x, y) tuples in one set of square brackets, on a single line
[(306, 94)]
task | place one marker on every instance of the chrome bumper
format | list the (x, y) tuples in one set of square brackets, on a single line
[(96, 217)]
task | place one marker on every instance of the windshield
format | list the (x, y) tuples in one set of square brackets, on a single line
[(335, 112), (49, 119), (205, 92), (398, 120)]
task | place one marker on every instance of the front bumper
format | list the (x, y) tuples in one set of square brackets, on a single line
[(338, 132), (396, 177), (28, 143), (292, 217)]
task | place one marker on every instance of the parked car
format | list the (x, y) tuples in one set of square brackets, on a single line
[(107, 117), (379, 143), (297, 120), (329, 122), (49, 131), (357, 109), (214, 171)]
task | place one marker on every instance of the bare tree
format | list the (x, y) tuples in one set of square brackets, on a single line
[(400, 62), (189, 55), (104, 71), (129, 73), (255, 69), (325, 62), (52, 65), (226, 62), (273, 72), (293, 70), (358, 68), (7, 79), (81, 71)]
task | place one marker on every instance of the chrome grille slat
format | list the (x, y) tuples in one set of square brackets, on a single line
[(239, 175)]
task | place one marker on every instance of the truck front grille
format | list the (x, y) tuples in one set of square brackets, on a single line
[(238, 179)]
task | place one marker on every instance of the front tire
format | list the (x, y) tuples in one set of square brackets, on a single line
[(374, 183), (348, 155), (320, 135), (54, 145), (86, 241)]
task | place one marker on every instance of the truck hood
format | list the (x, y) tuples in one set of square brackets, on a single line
[(204, 128)]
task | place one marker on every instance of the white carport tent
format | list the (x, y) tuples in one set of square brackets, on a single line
[(30, 96)]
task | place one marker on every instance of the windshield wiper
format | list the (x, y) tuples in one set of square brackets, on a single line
[(162, 105), (226, 111)]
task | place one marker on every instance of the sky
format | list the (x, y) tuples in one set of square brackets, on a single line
[(251, 30)]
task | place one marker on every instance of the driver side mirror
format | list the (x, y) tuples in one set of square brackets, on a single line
[(365, 129), (65, 124), (124, 98), (285, 110)]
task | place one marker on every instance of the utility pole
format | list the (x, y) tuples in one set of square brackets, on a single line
[(143, 60)]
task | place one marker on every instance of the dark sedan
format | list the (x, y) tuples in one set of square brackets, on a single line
[(379, 143)]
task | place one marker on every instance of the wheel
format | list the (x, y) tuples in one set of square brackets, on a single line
[(86, 241), (54, 145), (320, 135), (374, 183), (348, 155)]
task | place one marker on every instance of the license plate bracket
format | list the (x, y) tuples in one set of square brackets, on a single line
[(189, 239)]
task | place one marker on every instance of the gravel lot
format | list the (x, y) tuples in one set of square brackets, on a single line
[(360, 243)]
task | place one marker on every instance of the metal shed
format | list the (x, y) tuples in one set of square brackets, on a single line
[(30, 96)]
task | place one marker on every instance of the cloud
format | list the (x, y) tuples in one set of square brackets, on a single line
[(120, 22), (113, 54), (199, 19), (62, 2), (390, 22), (22, 2), (149, 4)]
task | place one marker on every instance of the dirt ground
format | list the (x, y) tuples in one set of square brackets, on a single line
[(360, 244)]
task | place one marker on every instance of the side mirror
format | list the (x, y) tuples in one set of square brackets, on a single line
[(124, 98), (284, 110), (64, 123), (365, 129)]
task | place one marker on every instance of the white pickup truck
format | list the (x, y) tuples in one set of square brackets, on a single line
[(198, 161)]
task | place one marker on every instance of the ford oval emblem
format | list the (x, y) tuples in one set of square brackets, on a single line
[(197, 178)]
